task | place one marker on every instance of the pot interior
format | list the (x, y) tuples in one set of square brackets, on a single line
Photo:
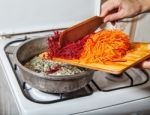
[(31, 48), (34, 47)]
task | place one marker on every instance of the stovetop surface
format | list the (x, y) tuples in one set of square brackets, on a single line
[(105, 90)]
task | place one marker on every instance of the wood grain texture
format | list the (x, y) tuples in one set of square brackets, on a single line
[(138, 53), (80, 30)]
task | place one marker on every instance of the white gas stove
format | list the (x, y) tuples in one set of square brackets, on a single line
[(106, 94)]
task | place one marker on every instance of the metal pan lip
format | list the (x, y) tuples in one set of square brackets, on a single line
[(44, 76)]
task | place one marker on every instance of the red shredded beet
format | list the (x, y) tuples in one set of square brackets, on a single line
[(70, 51), (53, 69)]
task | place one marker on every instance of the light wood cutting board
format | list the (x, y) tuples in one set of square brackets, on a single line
[(138, 53)]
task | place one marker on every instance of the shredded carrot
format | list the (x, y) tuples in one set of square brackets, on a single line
[(44, 55), (105, 45)]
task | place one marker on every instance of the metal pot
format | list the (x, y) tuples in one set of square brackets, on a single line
[(47, 83)]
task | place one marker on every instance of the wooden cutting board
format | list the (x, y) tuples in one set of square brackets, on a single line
[(138, 53)]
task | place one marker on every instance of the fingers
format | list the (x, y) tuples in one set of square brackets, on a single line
[(109, 6), (114, 16), (146, 65)]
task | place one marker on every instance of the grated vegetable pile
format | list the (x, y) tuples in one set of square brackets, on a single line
[(99, 47)]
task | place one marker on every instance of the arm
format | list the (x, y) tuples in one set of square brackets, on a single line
[(123, 9)]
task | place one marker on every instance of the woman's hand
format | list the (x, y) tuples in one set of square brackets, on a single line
[(113, 10)]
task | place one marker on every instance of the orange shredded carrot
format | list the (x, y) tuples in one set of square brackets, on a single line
[(44, 55), (105, 45)]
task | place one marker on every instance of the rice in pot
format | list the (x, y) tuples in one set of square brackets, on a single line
[(49, 67)]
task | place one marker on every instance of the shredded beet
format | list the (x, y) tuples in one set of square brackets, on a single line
[(70, 51), (53, 69)]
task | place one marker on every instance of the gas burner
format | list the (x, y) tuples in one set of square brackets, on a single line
[(117, 78), (38, 96)]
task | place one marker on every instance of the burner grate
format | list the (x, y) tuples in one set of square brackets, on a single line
[(146, 75), (86, 91)]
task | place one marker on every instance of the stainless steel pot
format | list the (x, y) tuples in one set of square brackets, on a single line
[(47, 83)]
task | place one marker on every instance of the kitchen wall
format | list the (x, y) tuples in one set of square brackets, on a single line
[(143, 28), (35, 15)]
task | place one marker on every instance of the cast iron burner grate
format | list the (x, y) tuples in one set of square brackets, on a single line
[(131, 84), (88, 90)]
